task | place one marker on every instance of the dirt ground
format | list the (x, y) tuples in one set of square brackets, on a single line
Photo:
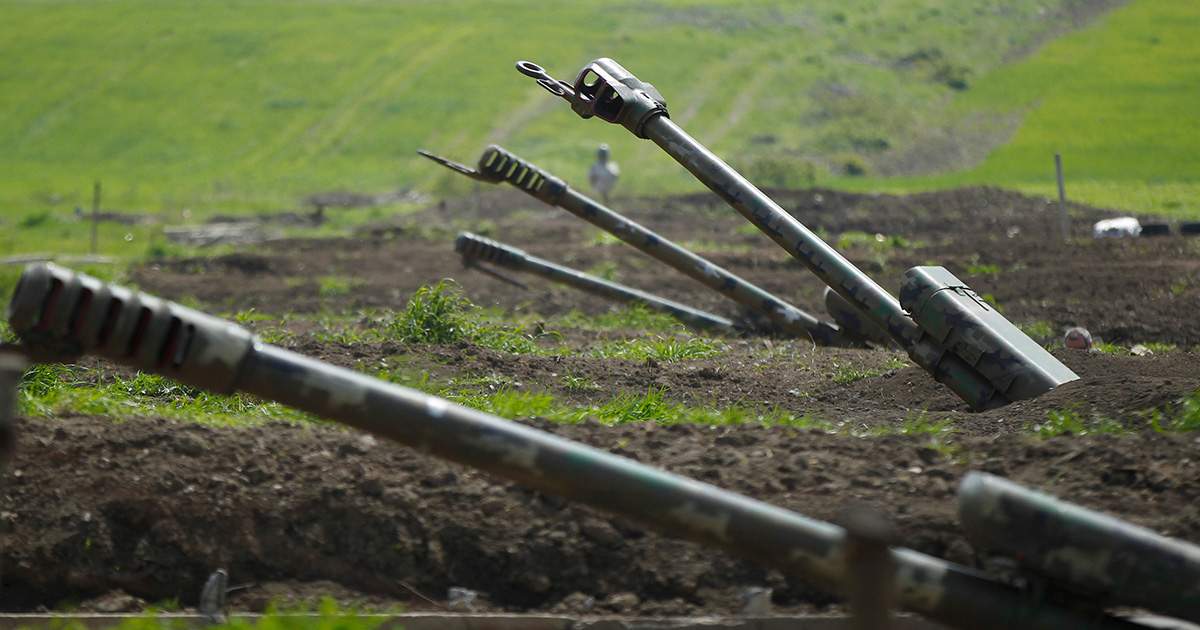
[(111, 516)]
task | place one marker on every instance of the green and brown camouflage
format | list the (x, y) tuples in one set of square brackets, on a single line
[(60, 314), (766, 312), (1063, 544), (606, 90), (480, 249)]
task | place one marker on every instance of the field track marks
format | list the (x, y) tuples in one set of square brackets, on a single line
[(746, 98), (697, 97), (394, 83), (306, 137), (60, 112)]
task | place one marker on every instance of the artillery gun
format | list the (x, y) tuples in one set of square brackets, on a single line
[(497, 165), (1065, 547), (945, 327), (477, 249), (59, 315)]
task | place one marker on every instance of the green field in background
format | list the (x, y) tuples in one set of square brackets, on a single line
[(1120, 101), (236, 106)]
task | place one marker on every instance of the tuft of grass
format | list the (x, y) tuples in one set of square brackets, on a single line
[(606, 270), (636, 317), (661, 348), (984, 270), (848, 373), (434, 315), (876, 242), (1071, 420), (578, 383), (333, 286), (1184, 419), (49, 389), (1038, 329)]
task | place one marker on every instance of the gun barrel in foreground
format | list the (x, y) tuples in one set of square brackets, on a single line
[(498, 165), (951, 333), (1121, 563), (482, 249), (59, 312)]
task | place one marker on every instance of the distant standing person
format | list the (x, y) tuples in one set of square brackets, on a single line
[(603, 174)]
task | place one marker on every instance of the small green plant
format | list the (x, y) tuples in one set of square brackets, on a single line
[(847, 373), (577, 383), (433, 315), (333, 286), (896, 362), (1038, 329), (1180, 287), (983, 270), (247, 317), (1185, 418), (604, 239), (606, 270), (636, 317), (1071, 420), (877, 242), (663, 348)]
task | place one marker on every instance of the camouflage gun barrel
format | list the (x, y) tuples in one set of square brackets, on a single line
[(1119, 562), (498, 165), (970, 348), (483, 249), (57, 312)]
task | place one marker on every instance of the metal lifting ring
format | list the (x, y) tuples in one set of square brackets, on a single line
[(552, 85)]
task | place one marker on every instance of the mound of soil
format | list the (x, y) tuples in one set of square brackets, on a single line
[(94, 509)]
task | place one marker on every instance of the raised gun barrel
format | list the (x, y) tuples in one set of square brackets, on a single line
[(1120, 563), (987, 365), (482, 249), (498, 165), (57, 311)]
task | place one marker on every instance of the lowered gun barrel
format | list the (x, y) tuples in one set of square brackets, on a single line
[(956, 336), (1119, 562), (483, 249), (57, 312), (498, 165)]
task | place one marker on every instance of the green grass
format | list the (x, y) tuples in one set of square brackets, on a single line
[(1116, 100), (49, 390), (233, 106), (662, 348)]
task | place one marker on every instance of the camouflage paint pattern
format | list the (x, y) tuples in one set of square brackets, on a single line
[(648, 118), (482, 249), (1119, 562), (771, 314), (167, 339), (962, 322)]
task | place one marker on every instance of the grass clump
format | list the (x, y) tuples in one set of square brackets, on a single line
[(434, 314), (439, 314), (1185, 418), (47, 390), (1072, 420), (635, 317), (661, 348)]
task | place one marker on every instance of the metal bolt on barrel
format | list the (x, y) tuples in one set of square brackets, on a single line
[(962, 342), (773, 313), (58, 312)]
